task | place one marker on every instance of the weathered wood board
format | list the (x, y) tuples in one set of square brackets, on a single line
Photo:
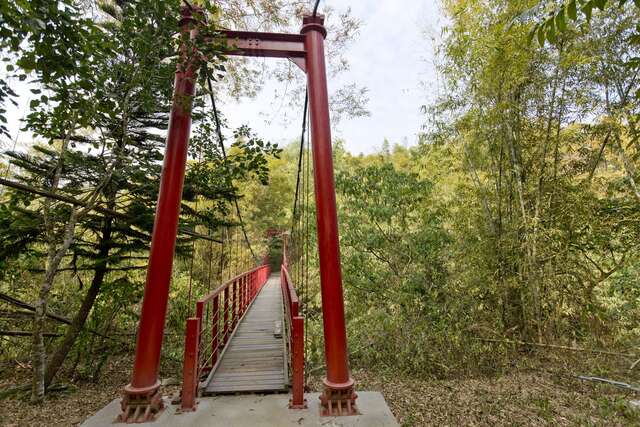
[(254, 361)]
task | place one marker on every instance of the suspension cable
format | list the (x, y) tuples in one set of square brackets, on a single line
[(237, 238), (221, 263), (210, 269), (304, 128), (224, 155), (225, 254), (296, 220), (315, 8), (193, 243), (193, 255), (305, 282)]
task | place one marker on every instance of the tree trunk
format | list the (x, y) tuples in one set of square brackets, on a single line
[(56, 254), (76, 326), (54, 257), (40, 315), (80, 319), (104, 247)]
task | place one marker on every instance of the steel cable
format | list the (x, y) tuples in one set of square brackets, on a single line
[(224, 155), (304, 128)]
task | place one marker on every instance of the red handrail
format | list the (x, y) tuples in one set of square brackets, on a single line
[(203, 342), (294, 324)]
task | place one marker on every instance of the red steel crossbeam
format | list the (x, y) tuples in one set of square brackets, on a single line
[(142, 398), (268, 45), (264, 45)]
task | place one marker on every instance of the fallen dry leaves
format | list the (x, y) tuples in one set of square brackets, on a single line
[(532, 392)]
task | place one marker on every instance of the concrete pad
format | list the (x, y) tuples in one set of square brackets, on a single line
[(254, 410)]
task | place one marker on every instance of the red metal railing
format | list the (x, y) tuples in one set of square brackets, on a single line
[(294, 333), (208, 332)]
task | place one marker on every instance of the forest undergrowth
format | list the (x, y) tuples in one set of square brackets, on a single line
[(534, 389), (483, 266)]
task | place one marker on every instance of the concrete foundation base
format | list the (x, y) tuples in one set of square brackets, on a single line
[(259, 410)]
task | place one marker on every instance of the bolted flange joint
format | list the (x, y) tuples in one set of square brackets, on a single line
[(338, 400), (140, 405)]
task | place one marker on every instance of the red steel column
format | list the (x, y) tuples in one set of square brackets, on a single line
[(338, 397), (142, 397)]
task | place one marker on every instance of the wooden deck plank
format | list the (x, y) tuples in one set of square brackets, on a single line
[(254, 359), (260, 375)]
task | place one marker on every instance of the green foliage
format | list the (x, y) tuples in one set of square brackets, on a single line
[(544, 215), (115, 128), (516, 217), (55, 45), (393, 252), (555, 23)]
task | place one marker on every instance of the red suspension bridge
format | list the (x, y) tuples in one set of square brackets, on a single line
[(248, 334)]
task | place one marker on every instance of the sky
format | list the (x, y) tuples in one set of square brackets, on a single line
[(392, 57)]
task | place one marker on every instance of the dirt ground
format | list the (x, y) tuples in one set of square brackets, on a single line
[(530, 394), (516, 399), (66, 408)]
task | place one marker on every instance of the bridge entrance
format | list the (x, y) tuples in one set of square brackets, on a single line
[(228, 338)]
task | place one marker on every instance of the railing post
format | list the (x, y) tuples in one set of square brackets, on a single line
[(297, 400), (247, 289), (190, 367), (225, 316), (253, 284), (234, 306), (215, 331), (199, 316), (247, 282), (199, 309), (244, 293), (240, 301)]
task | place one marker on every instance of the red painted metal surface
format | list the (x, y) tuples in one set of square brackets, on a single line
[(215, 329), (272, 45), (338, 383), (201, 353), (190, 371), (295, 339), (142, 399), (225, 316)]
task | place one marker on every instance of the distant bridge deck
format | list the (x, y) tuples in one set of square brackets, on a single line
[(255, 359)]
